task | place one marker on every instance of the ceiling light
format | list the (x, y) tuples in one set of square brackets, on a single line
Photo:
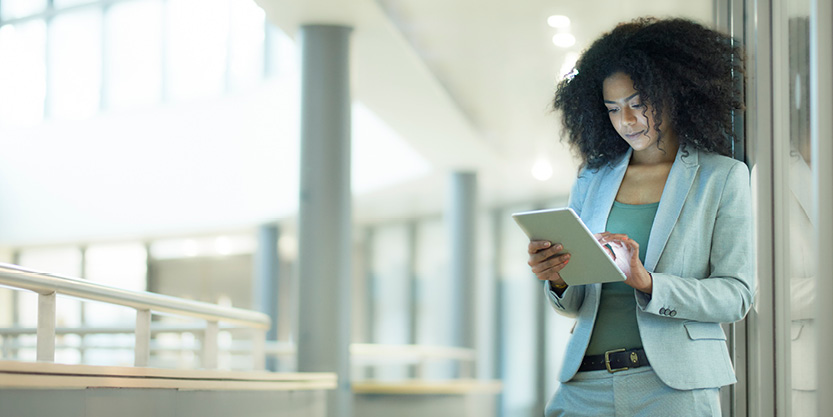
[(542, 170), (564, 40), (558, 21)]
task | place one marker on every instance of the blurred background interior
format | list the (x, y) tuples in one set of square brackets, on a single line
[(152, 144)]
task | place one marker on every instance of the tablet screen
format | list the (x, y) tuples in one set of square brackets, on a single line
[(590, 262)]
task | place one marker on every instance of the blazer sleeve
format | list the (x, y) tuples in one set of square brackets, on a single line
[(571, 299), (726, 295)]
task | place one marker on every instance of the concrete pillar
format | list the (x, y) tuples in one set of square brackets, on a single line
[(325, 210), (265, 288), (461, 217)]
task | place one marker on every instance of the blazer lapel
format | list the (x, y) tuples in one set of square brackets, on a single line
[(682, 175), (602, 201)]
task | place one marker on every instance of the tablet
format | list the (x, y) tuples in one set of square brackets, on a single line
[(589, 263)]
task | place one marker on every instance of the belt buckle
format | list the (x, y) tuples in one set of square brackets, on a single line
[(607, 361)]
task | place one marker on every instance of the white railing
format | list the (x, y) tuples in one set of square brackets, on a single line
[(361, 354), (47, 286)]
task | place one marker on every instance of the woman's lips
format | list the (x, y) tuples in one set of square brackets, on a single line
[(633, 136)]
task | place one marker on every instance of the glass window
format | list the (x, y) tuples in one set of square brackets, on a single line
[(75, 64), (435, 291), (10, 9), (59, 4), (281, 54), (197, 48), (521, 294), (800, 264), (134, 54), (23, 85), (391, 295), (247, 39)]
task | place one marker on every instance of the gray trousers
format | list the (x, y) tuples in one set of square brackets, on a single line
[(634, 392)]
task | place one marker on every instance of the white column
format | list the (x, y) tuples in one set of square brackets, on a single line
[(325, 210), (46, 327), (141, 348)]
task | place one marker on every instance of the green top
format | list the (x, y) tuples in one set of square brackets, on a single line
[(616, 325)]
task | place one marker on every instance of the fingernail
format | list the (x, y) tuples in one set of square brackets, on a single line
[(547, 244)]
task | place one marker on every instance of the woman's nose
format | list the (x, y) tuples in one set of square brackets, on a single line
[(628, 118)]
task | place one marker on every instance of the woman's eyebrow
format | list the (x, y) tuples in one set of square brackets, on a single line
[(628, 98)]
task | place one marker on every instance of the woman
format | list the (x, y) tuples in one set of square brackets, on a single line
[(649, 109)]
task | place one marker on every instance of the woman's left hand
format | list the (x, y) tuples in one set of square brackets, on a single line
[(637, 276)]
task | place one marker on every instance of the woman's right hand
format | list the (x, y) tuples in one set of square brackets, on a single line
[(545, 261)]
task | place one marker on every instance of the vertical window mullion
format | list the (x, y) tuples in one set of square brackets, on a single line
[(105, 73), (164, 92), (47, 98)]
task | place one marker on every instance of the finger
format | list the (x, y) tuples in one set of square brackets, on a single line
[(634, 248), (555, 264), (614, 237), (538, 245), (542, 255)]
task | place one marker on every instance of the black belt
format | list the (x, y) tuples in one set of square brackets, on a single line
[(615, 360)]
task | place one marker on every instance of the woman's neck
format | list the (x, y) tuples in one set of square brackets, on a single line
[(664, 152)]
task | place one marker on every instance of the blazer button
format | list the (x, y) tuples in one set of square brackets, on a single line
[(663, 311), (673, 313)]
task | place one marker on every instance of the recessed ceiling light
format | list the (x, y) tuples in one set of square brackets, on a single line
[(542, 170), (564, 40), (558, 21)]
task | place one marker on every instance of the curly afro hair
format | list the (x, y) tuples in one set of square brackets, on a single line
[(678, 66)]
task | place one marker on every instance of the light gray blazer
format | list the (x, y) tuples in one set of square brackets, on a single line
[(701, 256)]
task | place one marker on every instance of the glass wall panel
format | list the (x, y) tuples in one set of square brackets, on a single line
[(197, 48), (134, 53), (434, 298), (60, 4), (10, 9), (521, 295), (75, 64), (800, 263), (23, 85), (247, 39), (391, 295), (281, 54)]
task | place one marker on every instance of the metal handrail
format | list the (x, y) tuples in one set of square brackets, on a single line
[(47, 285), (83, 331)]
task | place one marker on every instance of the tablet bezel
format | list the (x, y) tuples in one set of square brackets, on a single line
[(589, 263)]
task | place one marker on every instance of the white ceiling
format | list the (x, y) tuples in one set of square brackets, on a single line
[(468, 83), (465, 83)]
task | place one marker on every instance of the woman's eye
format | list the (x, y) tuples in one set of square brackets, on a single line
[(636, 105), (612, 110)]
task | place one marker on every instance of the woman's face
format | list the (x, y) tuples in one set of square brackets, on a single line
[(632, 119)]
